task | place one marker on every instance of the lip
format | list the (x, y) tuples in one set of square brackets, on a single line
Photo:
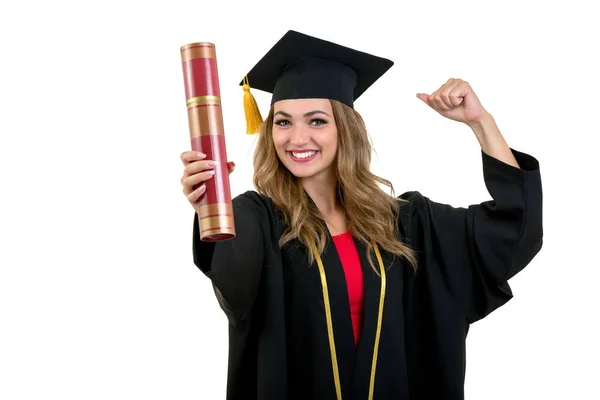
[(302, 160)]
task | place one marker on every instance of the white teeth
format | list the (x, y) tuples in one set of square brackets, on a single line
[(304, 155)]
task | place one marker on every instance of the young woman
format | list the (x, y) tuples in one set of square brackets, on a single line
[(335, 289)]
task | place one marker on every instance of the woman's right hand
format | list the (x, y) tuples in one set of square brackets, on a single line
[(197, 170)]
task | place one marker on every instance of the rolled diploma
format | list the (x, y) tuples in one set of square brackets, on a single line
[(205, 117)]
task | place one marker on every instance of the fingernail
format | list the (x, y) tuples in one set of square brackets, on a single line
[(213, 163), (201, 155), (202, 187)]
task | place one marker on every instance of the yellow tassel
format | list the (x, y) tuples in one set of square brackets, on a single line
[(253, 117)]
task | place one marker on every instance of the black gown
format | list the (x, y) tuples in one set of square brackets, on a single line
[(273, 299)]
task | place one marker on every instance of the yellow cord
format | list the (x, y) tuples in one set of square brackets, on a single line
[(334, 364), (379, 322)]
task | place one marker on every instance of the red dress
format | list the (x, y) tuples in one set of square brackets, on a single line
[(346, 249)]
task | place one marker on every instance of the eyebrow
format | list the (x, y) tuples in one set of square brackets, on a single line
[(308, 114)]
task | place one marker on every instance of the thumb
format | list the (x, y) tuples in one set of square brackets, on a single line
[(231, 166), (424, 97)]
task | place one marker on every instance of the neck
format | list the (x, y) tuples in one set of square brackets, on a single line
[(323, 192)]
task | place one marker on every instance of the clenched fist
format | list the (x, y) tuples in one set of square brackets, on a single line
[(455, 100)]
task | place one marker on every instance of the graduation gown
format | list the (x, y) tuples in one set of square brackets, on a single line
[(278, 338)]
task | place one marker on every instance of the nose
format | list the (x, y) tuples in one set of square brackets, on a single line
[(299, 135)]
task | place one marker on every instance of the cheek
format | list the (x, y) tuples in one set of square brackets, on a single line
[(276, 140), (330, 142), (279, 142), (279, 139)]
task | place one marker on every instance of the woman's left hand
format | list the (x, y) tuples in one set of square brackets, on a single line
[(455, 100)]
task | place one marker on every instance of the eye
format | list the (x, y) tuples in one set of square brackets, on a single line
[(281, 122), (318, 122)]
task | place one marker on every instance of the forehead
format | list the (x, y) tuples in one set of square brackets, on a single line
[(301, 106)]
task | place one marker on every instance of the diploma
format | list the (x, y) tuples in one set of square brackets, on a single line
[(205, 117)]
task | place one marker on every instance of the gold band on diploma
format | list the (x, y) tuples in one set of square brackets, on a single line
[(216, 218), (198, 50), (205, 121), (216, 208), (203, 100), (217, 224)]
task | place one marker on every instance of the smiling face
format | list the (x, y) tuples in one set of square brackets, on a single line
[(305, 137)]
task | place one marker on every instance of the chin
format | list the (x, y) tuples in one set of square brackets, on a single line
[(302, 173), (305, 173)]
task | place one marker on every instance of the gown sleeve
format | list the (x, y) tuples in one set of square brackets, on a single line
[(477, 249), (234, 266)]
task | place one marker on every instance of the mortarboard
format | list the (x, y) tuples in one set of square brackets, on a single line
[(300, 66)]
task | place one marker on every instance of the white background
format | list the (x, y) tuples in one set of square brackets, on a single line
[(99, 296)]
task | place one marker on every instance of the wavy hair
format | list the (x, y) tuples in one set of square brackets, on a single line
[(372, 213)]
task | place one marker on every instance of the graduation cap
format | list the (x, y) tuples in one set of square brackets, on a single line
[(300, 66)]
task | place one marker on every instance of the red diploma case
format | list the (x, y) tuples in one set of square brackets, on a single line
[(205, 117)]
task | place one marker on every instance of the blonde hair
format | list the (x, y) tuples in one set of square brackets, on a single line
[(372, 214)]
